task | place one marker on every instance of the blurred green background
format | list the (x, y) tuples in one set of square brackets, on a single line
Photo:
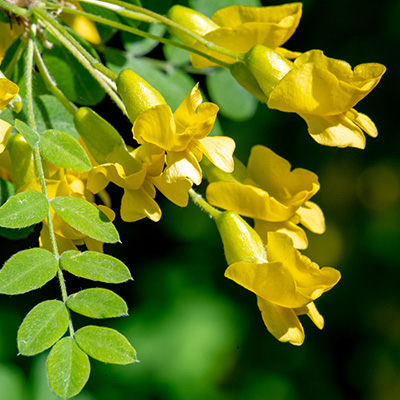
[(201, 336)]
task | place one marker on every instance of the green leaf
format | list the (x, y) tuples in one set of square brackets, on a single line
[(27, 270), (63, 150), (24, 209), (68, 368), (7, 190), (208, 7), (49, 114), (86, 218), (105, 344), (72, 78), (97, 303), (235, 102), (28, 133), (95, 266), (42, 327)]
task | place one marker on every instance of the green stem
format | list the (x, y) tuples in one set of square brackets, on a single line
[(203, 204), (144, 34), (13, 9), (75, 48), (38, 160), (15, 58), (51, 85), (166, 21), (72, 41)]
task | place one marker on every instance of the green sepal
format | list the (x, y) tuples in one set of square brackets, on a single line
[(27, 270), (97, 303), (136, 93), (95, 266), (22, 160), (28, 133), (63, 150), (44, 325), (106, 345), (24, 209), (241, 241), (86, 218), (68, 368)]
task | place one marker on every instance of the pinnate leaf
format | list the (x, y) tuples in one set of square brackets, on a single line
[(95, 266), (24, 209), (63, 150), (27, 270), (97, 303), (42, 327), (105, 344), (86, 218), (68, 368)]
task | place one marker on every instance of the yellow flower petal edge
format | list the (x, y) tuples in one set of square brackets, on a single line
[(8, 90), (242, 27)]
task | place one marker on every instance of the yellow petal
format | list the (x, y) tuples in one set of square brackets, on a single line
[(8, 36), (336, 130), (177, 192), (270, 280), (8, 90), (137, 204), (311, 280), (311, 310), (248, 201), (288, 227), (273, 174), (319, 85), (281, 322), (182, 165), (364, 122), (219, 150), (5, 130), (312, 217)]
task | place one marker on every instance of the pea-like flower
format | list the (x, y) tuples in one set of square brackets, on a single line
[(276, 197), (8, 35), (285, 281), (322, 90), (182, 135), (238, 28)]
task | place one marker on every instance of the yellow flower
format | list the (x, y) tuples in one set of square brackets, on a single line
[(286, 285), (285, 281), (273, 195), (82, 25), (182, 135), (8, 90), (239, 28), (322, 90), (139, 175)]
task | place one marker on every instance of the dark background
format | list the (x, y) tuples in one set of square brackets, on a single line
[(199, 335)]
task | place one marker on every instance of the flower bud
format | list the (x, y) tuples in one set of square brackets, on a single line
[(136, 94), (241, 241), (102, 140), (246, 79), (22, 160), (192, 20), (267, 67)]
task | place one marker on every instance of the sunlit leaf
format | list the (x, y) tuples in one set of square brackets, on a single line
[(24, 209), (105, 344), (97, 303), (68, 368), (95, 266), (27, 270), (42, 327), (86, 218), (63, 150)]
